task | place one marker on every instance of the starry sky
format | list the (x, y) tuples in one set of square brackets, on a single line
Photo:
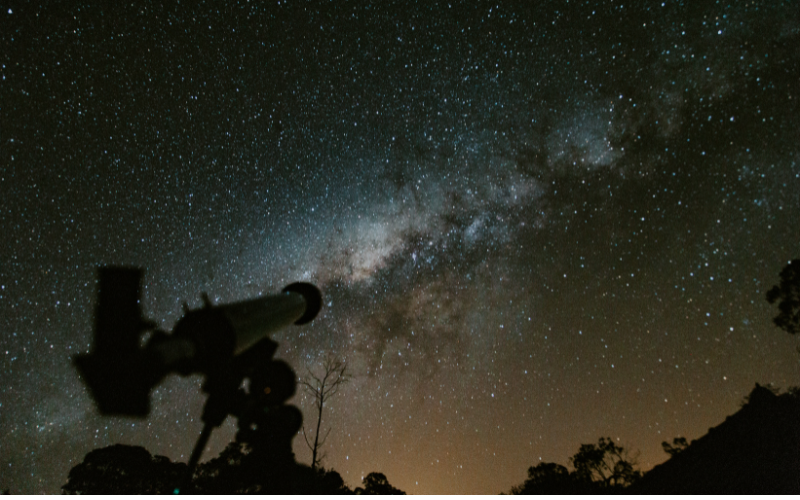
[(534, 223)]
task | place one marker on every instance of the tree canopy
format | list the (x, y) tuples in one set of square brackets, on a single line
[(678, 445), (121, 469), (547, 478), (787, 294), (604, 464), (598, 468), (239, 470), (376, 484)]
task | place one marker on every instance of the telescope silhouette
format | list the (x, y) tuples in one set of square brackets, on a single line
[(227, 344), (213, 340)]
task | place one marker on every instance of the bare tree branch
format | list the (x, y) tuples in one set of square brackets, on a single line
[(321, 388), (322, 441), (306, 439)]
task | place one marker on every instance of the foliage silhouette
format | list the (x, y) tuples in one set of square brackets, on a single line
[(121, 469), (331, 483), (376, 484), (549, 478), (788, 293), (598, 468), (605, 465), (761, 393), (240, 469), (678, 445)]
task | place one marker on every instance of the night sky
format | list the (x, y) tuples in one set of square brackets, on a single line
[(534, 223)]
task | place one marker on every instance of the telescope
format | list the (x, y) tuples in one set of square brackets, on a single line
[(226, 344), (120, 373)]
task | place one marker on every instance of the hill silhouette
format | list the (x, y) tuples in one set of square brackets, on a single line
[(754, 451)]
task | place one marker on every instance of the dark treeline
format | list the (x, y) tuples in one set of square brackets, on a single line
[(753, 451), (122, 469)]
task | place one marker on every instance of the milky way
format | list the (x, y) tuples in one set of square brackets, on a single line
[(533, 225)]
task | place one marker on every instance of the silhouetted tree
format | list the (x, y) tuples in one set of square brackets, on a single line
[(321, 389), (605, 465), (547, 478), (121, 469), (376, 484), (788, 292), (599, 468), (678, 445), (331, 483), (225, 474), (239, 470), (759, 394)]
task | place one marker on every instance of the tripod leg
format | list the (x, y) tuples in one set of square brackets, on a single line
[(202, 441)]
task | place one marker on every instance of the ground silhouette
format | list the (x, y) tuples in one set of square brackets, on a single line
[(754, 451)]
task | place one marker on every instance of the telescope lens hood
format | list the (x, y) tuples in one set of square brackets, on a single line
[(312, 296)]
